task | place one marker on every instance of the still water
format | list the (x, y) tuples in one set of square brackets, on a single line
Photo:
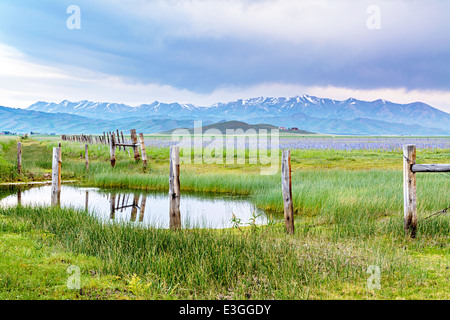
[(146, 209)]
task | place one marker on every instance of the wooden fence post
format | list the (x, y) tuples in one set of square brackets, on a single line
[(19, 157), (56, 176), (286, 184), (144, 154), (112, 151), (174, 189), (135, 144), (59, 167), (86, 155), (409, 190), (118, 138), (123, 140)]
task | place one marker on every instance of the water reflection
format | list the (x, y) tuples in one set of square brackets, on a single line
[(147, 209)]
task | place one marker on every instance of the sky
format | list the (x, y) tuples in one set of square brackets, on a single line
[(204, 52)]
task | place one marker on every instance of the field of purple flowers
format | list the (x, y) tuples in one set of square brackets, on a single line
[(387, 144)]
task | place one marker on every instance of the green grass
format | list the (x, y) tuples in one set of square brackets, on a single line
[(212, 264), (348, 212)]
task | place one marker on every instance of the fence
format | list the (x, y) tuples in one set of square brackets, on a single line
[(410, 168), (114, 140)]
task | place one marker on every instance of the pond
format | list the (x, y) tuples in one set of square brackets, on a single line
[(148, 209)]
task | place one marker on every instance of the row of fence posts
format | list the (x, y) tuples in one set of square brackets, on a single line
[(134, 144), (409, 188), (114, 140), (410, 168), (97, 139)]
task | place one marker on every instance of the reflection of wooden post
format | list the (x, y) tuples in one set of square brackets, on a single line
[(86, 201), (142, 209), (112, 204), (19, 198), (123, 202), (19, 157), (56, 176), (134, 207), (135, 144), (409, 191), (144, 154), (286, 184), (86, 156), (112, 150), (174, 188)]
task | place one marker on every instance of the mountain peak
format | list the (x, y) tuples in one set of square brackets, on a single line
[(296, 111)]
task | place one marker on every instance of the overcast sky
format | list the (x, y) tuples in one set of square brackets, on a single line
[(203, 52)]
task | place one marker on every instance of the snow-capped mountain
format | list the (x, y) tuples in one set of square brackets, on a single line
[(304, 112)]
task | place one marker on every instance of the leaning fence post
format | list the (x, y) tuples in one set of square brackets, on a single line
[(174, 188), (123, 140), (409, 190), (112, 150), (144, 154), (286, 184), (56, 176), (19, 157), (135, 144)]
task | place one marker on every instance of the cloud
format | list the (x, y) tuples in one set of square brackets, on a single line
[(202, 52), (201, 45), (23, 82)]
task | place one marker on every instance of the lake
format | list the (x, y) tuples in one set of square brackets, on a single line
[(148, 209)]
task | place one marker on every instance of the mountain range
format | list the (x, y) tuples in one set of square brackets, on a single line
[(351, 116)]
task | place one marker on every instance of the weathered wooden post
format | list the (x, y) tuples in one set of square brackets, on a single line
[(409, 190), (19, 157), (112, 151), (56, 177), (144, 154), (123, 140), (118, 139), (286, 184), (86, 155), (135, 144), (174, 189), (59, 166), (86, 201)]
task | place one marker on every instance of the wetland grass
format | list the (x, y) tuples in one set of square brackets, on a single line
[(348, 216)]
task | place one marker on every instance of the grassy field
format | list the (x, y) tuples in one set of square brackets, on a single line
[(348, 212)]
